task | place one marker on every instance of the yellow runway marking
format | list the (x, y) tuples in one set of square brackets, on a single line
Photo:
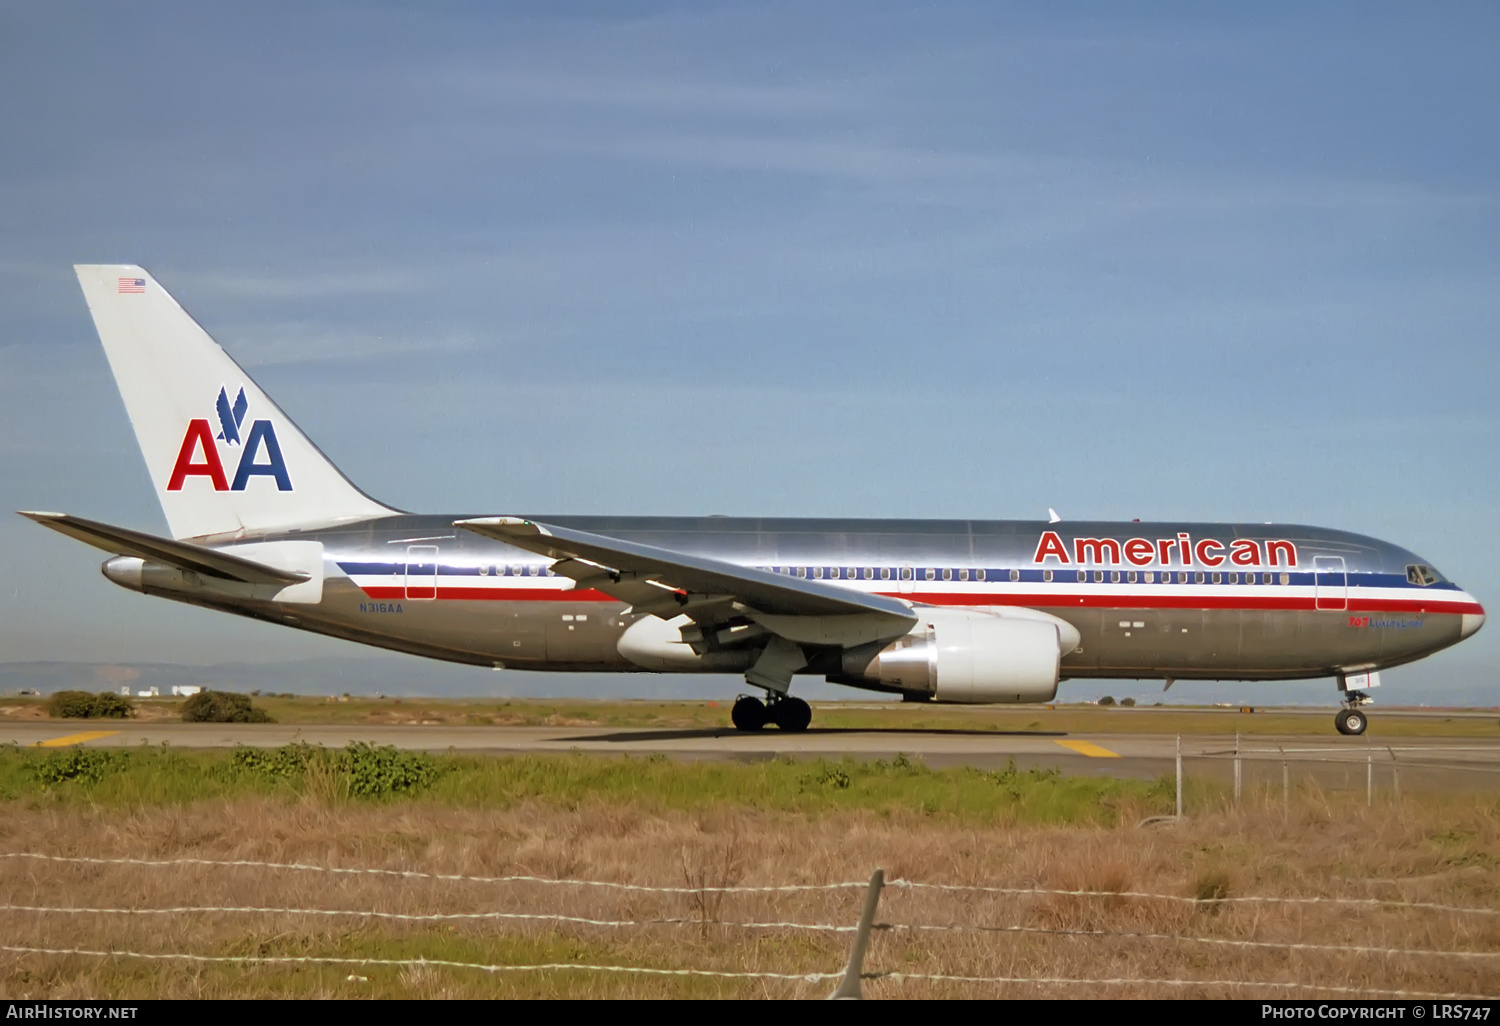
[(1090, 749), (76, 739)]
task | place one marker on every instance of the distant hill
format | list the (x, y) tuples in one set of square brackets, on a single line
[(389, 675), (1425, 683)]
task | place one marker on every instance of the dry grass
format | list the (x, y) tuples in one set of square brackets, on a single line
[(1447, 851)]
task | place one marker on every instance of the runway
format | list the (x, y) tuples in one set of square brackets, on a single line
[(1470, 763)]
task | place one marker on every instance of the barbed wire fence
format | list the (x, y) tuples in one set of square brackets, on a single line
[(850, 977)]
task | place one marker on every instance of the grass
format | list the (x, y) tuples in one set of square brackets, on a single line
[(146, 776), (1188, 721), (1440, 851), (698, 825)]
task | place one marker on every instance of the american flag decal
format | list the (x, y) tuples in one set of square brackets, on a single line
[(133, 285)]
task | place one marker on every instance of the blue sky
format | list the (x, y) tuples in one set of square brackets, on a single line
[(812, 259)]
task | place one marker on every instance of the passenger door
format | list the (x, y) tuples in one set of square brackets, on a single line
[(421, 571), (1331, 587)]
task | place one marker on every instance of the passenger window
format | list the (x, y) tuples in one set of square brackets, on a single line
[(930, 574), (818, 572), (1015, 575), (1131, 577), (1218, 578), (1098, 576), (869, 573), (979, 574), (885, 573), (1286, 578), (1082, 576), (851, 572), (963, 575), (1047, 576), (1114, 577), (1234, 578), (906, 573), (947, 574), (1182, 577), (1198, 577), (1150, 576)]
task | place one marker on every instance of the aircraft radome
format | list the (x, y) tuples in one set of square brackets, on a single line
[(969, 611)]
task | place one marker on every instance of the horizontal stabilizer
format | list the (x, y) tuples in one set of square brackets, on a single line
[(186, 555)]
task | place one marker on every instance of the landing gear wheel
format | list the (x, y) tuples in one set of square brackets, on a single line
[(748, 713), (1350, 721), (792, 714)]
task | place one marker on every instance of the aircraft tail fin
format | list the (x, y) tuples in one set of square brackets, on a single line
[(223, 457)]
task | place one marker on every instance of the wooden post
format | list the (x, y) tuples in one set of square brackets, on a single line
[(849, 989)]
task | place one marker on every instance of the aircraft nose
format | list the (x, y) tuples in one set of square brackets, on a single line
[(1472, 622)]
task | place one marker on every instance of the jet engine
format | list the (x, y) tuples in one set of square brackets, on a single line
[(964, 655)]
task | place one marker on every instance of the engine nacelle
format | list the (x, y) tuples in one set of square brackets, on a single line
[(963, 655)]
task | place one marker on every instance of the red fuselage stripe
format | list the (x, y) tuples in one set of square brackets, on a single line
[(1355, 604)]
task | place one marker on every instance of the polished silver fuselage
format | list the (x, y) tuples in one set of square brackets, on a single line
[(1347, 604)]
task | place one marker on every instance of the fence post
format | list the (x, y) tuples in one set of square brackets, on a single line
[(1369, 780), (1395, 775), (1179, 776), (1286, 786), (1237, 765), (849, 987)]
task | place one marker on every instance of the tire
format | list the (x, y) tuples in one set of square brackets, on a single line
[(1351, 722), (792, 714), (748, 713)]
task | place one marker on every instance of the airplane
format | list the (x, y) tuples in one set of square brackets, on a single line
[(264, 525)]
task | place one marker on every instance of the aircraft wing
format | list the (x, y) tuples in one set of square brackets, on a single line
[(668, 583), (198, 558)]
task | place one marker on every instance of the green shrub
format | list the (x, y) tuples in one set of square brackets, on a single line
[(364, 770), (288, 762), (1107, 700), (86, 765), (109, 705), (222, 707), (376, 772), (70, 704), (83, 705), (1127, 701)]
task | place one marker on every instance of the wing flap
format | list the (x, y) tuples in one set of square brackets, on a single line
[(667, 582), (198, 558)]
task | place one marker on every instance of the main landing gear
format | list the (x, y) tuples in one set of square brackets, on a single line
[(786, 712), (1351, 718)]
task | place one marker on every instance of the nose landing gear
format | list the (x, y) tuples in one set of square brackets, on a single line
[(788, 713), (1351, 719)]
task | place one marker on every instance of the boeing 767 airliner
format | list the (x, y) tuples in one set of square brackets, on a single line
[(970, 611)]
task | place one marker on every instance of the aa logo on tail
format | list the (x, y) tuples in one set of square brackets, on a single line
[(199, 440)]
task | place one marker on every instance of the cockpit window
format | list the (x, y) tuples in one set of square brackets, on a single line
[(1416, 573)]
